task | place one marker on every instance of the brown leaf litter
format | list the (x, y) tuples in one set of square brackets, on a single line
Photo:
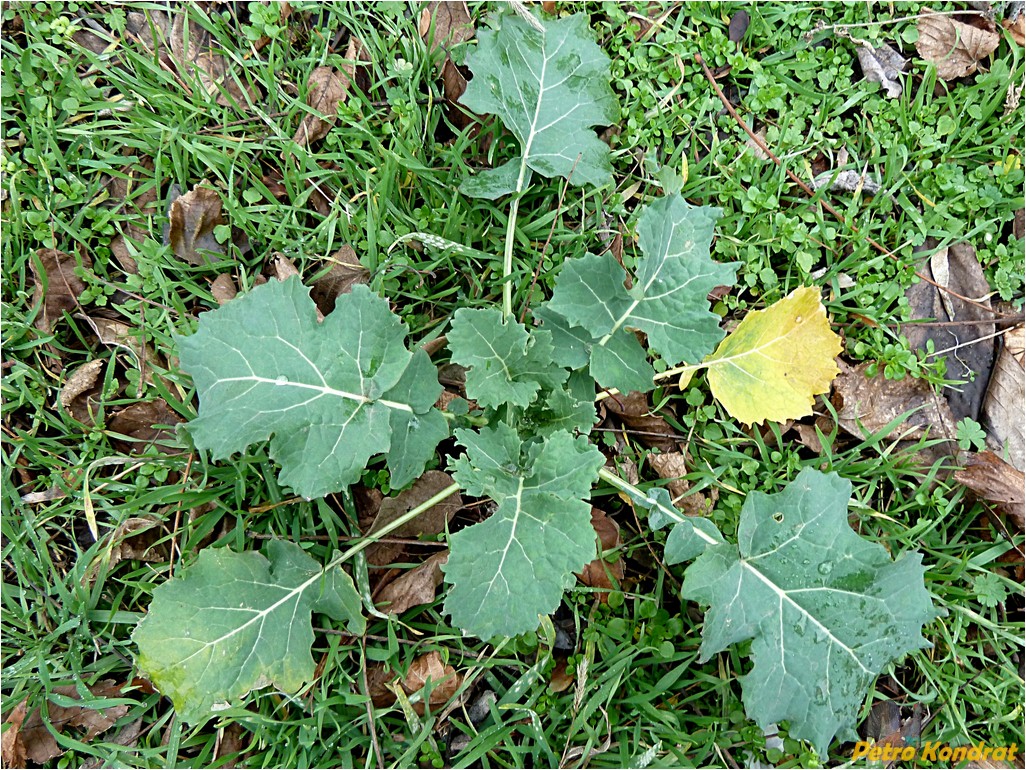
[(1003, 406), (57, 287), (327, 87), (994, 481), (427, 669), (27, 736), (192, 219), (955, 47), (600, 573), (966, 333), (432, 522)]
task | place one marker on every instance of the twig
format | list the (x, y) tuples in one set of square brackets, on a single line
[(812, 193)]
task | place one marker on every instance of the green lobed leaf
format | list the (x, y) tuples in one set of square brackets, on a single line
[(668, 299), (689, 536), (234, 622), (508, 364), (621, 363), (329, 395), (549, 89), (513, 567), (826, 610)]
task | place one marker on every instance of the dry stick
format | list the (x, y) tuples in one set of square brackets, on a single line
[(812, 193)]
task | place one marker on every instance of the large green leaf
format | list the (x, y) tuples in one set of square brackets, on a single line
[(514, 566), (667, 301), (234, 622), (329, 395), (549, 88), (508, 364), (826, 610), (621, 362)]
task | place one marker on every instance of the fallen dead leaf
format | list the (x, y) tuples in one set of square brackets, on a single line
[(231, 738), (883, 65), (957, 269), (326, 88), (738, 26), (672, 466), (1017, 28), (139, 421), (1006, 393), (866, 405), (36, 742), (414, 588), (120, 335), (635, 413), (429, 669), (12, 746), (599, 573), (431, 522), (452, 24), (425, 668), (956, 48), (193, 53), (134, 190), (139, 538), (560, 679), (81, 386), (344, 273), (151, 29), (223, 289), (995, 481), (192, 219), (57, 287)]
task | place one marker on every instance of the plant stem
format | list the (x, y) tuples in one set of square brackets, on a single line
[(672, 513), (394, 525), (507, 255)]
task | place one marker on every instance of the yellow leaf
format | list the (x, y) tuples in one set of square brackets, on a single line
[(776, 360)]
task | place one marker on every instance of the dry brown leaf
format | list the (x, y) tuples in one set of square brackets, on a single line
[(192, 219), (120, 335), (997, 482), (57, 287), (444, 679), (882, 65), (672, 466), (650, 429), (560, 679), (326, 88), (427, 667), (223, 289), (1017, 28), (39, 746), (140, 538), (135, 193), (1006, 393), (954, 47), (231, 738), (431, 522), (452, 24), (414, 588), (344, 273), (12, 747), (957, 269), (866, 405), (81, 386), (599, 573), (138, 422), (151, 28), (193, 53)]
